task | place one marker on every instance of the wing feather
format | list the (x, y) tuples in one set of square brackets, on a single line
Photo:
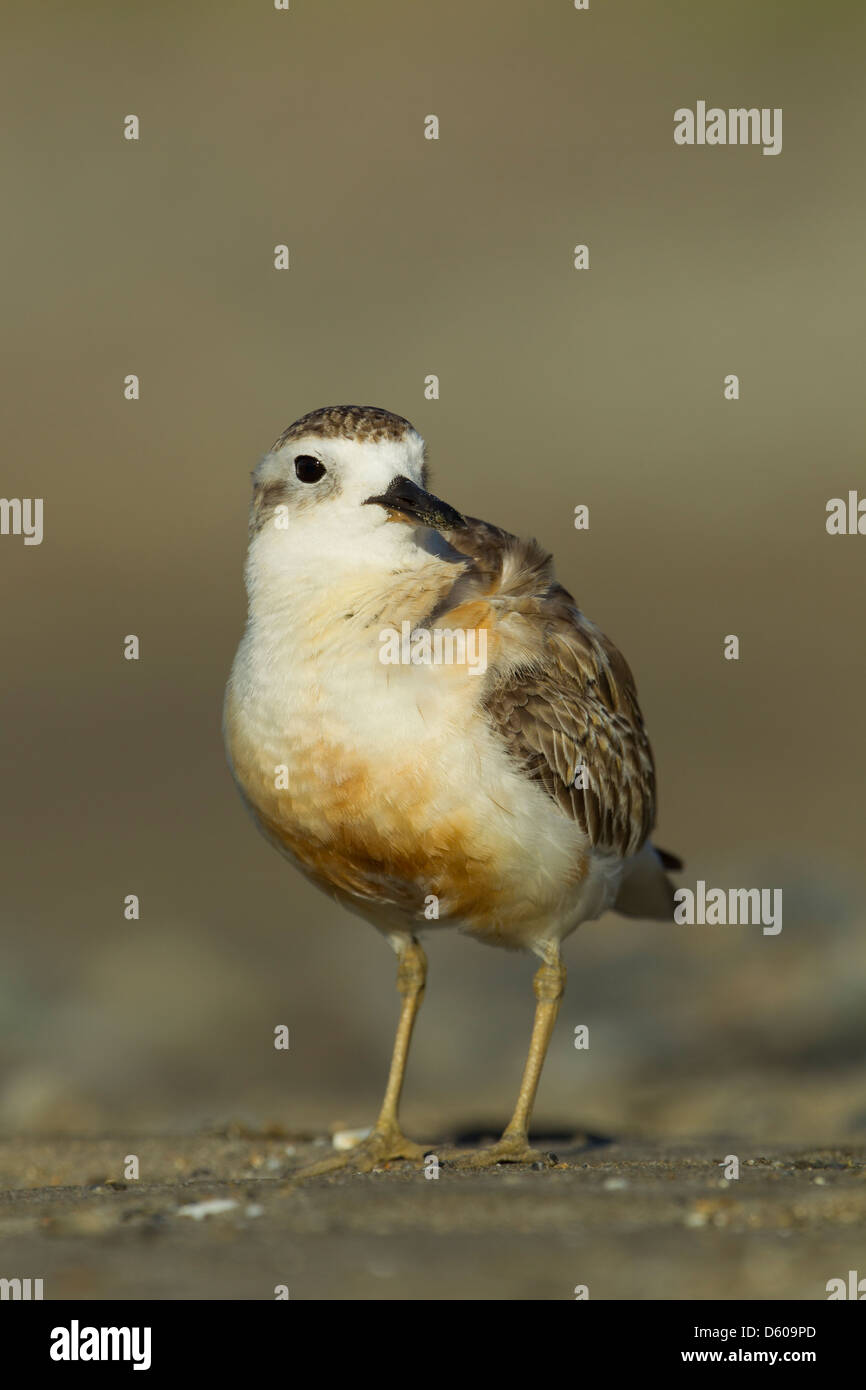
[(560, 694)]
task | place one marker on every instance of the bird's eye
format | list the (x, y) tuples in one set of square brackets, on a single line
[(308, 469)]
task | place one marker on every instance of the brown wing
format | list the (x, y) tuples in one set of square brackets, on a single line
[(561, 695)]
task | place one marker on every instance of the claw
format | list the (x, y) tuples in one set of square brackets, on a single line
[(508, 1149), (379, 1148)]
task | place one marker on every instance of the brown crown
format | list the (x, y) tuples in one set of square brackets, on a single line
[(362, 422)]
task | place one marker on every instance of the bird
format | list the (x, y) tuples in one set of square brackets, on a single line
[(511, 798)]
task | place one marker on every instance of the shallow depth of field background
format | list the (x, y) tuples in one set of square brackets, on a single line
[(604, 387)]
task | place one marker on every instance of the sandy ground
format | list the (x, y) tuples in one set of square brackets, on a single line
[(628, 1219)]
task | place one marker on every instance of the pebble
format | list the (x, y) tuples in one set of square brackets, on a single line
[(348, 1138), (214, 1206)]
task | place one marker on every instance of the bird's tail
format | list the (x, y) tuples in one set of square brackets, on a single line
[(646, 891), (669, 861)]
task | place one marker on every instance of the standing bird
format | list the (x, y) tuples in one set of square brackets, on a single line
[(512, 797)]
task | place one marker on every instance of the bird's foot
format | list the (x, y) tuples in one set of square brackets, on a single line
[(511, 1148), (381, 1146)]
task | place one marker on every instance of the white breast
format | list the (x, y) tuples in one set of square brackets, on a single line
[(310, 694)]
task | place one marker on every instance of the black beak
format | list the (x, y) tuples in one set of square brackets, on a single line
[(412, 502)]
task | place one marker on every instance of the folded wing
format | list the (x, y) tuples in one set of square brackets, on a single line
[(559, 692)]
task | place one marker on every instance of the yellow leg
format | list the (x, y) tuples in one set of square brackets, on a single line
[(387, 1141), (411, 982), (513, 1147)]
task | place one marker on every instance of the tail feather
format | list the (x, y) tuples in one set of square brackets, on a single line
[(669, 861), (646, 891)]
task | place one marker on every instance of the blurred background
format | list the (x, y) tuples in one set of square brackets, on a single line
[(412, 257)]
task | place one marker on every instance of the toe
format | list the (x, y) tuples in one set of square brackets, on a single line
[(375, 1151), (505, 1151)]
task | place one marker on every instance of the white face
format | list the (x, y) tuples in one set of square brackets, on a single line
[(351, 471), (312, 509)]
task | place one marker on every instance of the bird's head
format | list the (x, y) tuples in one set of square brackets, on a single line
[(334, 481)]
